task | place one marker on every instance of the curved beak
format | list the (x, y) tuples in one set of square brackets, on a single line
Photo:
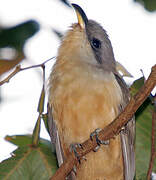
[(81, 16)]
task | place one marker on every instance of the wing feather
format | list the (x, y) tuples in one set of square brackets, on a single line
[(55, 136), (127, 135), (55, 139)]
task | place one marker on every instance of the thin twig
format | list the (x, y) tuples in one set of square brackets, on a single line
[(153, 142), (40, 109), (19, 69), (112, 129), (6, 80)]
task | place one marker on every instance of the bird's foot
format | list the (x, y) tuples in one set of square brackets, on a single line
[(73, 149), (99, 142)]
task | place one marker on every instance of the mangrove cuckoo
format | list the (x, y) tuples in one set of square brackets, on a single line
[(87, 93)]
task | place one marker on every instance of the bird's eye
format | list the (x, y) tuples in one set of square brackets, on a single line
[(96, 43)]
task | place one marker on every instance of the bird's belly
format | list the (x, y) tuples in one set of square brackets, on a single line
[(83, 113), (105, 164), (82, 105), (78, 111)]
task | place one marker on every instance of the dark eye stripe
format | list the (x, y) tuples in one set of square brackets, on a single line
[(96, 43)]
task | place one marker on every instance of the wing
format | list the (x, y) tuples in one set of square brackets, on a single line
[(54, 135), (127, 136)]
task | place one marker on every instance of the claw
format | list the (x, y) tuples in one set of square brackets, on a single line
[(94, 133), (73, 148), (99, 142), (97, 148)]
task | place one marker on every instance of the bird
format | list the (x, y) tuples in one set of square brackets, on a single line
[(86, 93)]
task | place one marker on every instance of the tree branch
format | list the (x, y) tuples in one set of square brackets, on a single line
[(112, 129)]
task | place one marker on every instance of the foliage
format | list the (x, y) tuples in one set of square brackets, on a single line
[(149, 5), (28, 162), (143, 133), (15, 38), (17, 35)]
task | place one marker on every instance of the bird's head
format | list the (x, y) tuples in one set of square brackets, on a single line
[(87, 41)]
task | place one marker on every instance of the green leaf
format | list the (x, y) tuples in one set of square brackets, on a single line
[(45, 120), (15, 38), (136, 85), (40, 108), (28, 162), (143, 139), (17, 35), (143, 133), (149, 5), (24, 140), (19, 140), (36, 131)]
